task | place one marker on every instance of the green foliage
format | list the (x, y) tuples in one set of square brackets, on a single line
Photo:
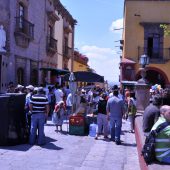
[(166, 29)]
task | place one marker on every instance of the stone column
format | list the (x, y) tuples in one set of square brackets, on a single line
[(27, 72), (39, 73), (142, 93)]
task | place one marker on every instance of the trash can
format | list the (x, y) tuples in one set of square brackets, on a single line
[(15, 131), (76, 125), (4, 120)]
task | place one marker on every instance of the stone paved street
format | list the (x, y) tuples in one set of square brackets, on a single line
[(66, 152)]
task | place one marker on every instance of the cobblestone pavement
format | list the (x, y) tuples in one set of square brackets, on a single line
[(68, 152)]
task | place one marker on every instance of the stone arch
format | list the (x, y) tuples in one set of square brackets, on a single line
[(155, 76)]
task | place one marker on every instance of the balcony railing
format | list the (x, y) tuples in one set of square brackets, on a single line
[(155, 54), (25, 27), (51, 44), (67, 51)]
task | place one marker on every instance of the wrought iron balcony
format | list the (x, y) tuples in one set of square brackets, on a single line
[(156, 55), (25, 27), (67, 51), (51, 44)]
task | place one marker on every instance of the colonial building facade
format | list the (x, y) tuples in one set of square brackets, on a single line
[(142, 34), (80, 62), (40, 40)]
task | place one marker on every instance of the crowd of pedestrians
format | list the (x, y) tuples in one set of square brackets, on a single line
[(56, 102), (110, 107), (155, 114)]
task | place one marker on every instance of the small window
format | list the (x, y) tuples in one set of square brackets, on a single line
[(21, 15), (21, 10), (50, 31)]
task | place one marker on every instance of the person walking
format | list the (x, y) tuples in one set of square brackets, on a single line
[(115, 111), (102, 116), (39, 109), (132, 111)]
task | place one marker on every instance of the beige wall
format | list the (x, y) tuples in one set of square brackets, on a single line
[(79, 67), (133, 35), (59, 37)]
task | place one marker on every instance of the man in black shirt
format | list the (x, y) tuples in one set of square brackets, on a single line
[(151, 114)]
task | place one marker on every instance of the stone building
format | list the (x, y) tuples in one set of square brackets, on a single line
[(142, 34), (40, 40)]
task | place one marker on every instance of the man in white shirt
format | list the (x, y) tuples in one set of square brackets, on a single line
[(58, 94), (69, 104)]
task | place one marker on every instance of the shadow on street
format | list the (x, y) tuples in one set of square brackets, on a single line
[(24, 147)]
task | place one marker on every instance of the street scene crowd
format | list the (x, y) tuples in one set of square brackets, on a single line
[(110, 106)]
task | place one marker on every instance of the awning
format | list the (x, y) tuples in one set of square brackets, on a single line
[(127, 61), (56, 70), (85, 76)]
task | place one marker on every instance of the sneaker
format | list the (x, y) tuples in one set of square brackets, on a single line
[(96, 138), (113, 140), (106, 137), (118, 142)]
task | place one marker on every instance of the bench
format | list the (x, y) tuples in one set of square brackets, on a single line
[(140, 140)]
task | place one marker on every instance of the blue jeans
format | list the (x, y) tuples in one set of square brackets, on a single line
[(115, 128), (69, 110), (37, 122)]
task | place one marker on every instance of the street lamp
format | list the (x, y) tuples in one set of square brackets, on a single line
[(142, 87), (144, 60), (73, 88)]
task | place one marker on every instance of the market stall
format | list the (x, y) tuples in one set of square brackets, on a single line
[(79, 116)]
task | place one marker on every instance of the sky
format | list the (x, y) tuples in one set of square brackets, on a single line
[(95, 34)]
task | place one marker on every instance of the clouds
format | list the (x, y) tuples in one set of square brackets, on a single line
[(117, 24), (104, 61)]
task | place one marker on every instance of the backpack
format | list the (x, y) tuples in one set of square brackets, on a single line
[(132, 107), (148, 150)]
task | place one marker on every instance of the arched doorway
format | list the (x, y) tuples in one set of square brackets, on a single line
[(20, 76), (155, 76)]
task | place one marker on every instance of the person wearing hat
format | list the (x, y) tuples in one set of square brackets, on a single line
[(19, 88), (29, 89), (39, 109)]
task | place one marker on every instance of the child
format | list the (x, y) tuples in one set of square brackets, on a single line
[(58, 115)]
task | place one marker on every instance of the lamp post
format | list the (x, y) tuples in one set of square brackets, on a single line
[(144, 60), (142, 87), (73, 88)]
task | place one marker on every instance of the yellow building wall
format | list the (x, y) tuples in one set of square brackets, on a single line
[(79, 67), (133, 34)]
